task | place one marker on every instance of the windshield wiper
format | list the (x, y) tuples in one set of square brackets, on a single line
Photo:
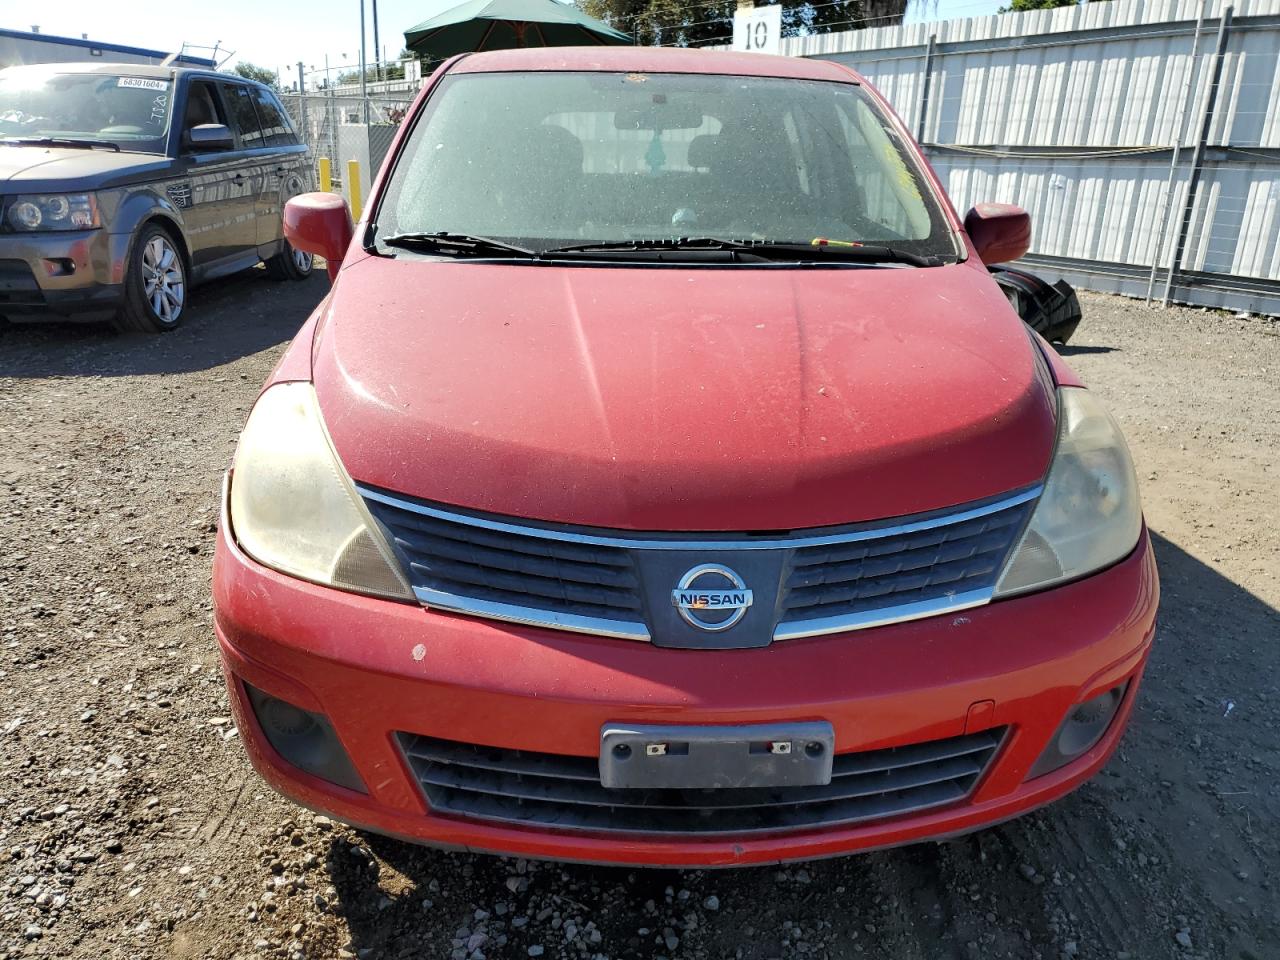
[(664, 243), (464, 243), (762, 249), (80, 143), (862, 253), (444, 242)]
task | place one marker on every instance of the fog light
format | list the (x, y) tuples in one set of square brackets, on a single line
[(284, 719), (1080, 731), (305, 739), (59, 266)]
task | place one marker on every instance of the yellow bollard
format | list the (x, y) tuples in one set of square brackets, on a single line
[(353, 186), (326, 175)]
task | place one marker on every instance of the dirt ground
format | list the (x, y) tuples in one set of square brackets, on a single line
[(131, 825)]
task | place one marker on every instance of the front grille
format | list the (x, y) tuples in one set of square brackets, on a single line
[(619, 583), (564, 792), (844, 580), (447, 557)]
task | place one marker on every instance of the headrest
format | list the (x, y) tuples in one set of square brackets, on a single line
[(200, 107), (554, 146), (702, 150)]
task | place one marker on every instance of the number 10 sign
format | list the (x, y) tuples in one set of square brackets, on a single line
[(758, 29)]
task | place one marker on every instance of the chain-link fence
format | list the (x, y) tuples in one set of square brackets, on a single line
[(345, 128)]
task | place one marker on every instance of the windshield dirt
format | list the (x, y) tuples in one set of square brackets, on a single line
[(130, 112), (545, 160)]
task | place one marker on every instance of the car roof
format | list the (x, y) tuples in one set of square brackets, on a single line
[(653, 60), (128, 69)]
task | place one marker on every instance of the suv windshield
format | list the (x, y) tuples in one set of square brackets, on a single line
[(544, 160), (130, 112)]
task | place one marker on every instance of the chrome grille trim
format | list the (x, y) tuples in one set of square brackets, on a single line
[(530, 616), (692, 541), (585, 581), (901, 613)]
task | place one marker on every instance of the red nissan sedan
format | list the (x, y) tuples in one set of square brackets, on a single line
[(665, 480)]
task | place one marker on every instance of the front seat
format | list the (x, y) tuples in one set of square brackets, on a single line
[(558, 157), (200, 110), (749, 185)]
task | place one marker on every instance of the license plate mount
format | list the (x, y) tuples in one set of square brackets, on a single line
[(636, 757)]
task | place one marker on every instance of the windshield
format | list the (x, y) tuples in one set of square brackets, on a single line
[(130, 112), (553, 159)]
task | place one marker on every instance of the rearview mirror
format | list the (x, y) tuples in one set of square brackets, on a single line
[(1000, 231), (209, 136), (319, 224), (659, 115)]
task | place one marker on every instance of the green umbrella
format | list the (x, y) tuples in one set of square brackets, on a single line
[(504, 24)]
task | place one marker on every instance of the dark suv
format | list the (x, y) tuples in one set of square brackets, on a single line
[(121, 185)]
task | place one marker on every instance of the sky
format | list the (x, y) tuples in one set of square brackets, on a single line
[(278, 35), (952, 9), (273, 35)]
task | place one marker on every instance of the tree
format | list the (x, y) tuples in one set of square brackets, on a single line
[(251, 71), (709, 22), (370, 75), (1018, 6)]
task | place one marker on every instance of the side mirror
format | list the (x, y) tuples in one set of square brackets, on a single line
[(209, 136), (319, 224), (1000, 231)]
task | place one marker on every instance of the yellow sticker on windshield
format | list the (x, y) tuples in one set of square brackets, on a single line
[(899, 166)]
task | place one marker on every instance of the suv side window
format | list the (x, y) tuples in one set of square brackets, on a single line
[(276, 128), (203, 106), (244, 116)]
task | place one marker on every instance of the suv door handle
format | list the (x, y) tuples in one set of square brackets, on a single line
[(281, 171), (238, 179)]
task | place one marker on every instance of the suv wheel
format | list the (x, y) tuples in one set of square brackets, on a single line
[(290, 264), (155, 286)]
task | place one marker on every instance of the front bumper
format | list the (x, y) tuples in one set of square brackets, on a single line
[(63, 274), (375, 667)]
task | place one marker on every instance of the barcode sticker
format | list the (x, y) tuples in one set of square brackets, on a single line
[(139, 83)]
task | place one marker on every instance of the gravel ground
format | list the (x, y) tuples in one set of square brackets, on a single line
[(132, 826)]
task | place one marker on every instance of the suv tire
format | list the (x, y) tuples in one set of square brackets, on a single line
[(155, 284), (290, 264)]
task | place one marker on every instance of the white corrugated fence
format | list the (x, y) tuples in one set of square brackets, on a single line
[(1142, 135)]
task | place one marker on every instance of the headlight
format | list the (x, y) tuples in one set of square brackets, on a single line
[(293, 507), (53, 211), (1089, 515)]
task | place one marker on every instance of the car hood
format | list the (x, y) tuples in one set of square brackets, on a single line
[(72, 168), (658, 398)]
